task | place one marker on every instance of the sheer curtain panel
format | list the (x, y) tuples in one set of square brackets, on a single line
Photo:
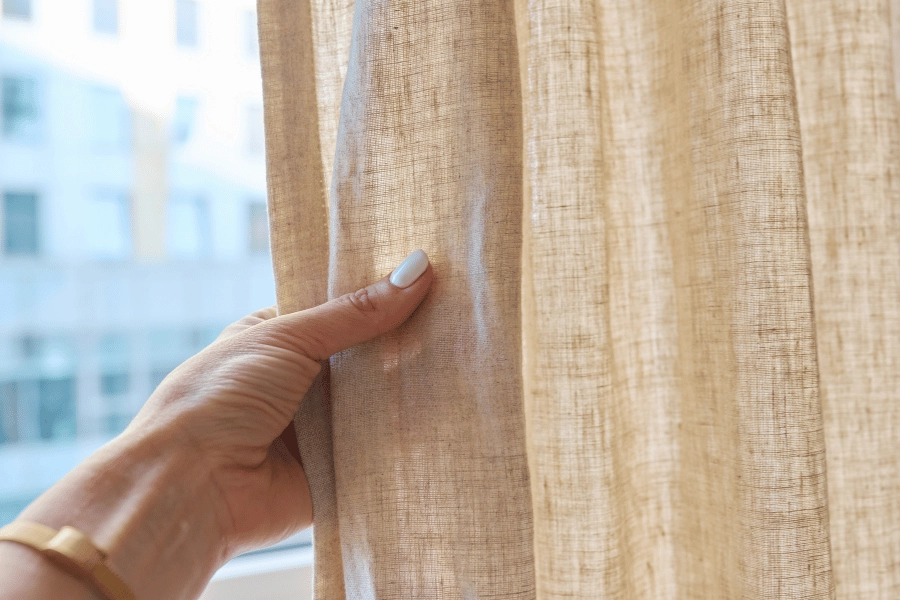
[(661, 356)]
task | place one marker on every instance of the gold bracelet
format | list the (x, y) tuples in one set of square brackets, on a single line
[(72, 550)]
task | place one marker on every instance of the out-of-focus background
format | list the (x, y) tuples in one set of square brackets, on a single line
[(133, 221), (133, 228)]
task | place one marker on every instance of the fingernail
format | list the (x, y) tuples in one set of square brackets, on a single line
[(410, 269)]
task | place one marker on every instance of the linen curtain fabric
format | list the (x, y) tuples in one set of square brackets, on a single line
[(660, 355)]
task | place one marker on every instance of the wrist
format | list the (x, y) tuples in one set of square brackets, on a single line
[(150, 507)]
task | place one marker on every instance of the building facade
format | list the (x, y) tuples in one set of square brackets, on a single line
[(133, 221)]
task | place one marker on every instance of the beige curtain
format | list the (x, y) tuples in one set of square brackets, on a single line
[(661, 357)]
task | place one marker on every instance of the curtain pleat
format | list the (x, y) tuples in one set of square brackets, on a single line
[(429, 450), (674, 405), (660, 356), (428, 155), (844, 69), (298, 217)]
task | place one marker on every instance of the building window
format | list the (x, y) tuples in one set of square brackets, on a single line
[(21, 399), (38, 403), (186, 21), (56, 408), (169, 347), (157, 374), (108, 225), (17, 9), (258, 228), (251, 35), (187, 227), (106, 16), (184, 119), (114, 389), (9, 413), (113, 350), (110, 120), (256, 134), (20, 224), (114, 384), (20, 108)]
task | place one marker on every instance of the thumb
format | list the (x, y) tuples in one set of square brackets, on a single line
[(362, 315)]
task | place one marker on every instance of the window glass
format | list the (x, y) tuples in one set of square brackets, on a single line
[(20, 108), (106, 16), (57, 408), (184, 120), (20, 224), (256, 136), (114, 383), (40, 394), (186, 22), (258, 228), (110, 119), (17, 9), (187, 230), (108, 225), (251, 35), (121, 253)]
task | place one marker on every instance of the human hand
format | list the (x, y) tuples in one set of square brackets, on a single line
[(201, 473), (230, 402)]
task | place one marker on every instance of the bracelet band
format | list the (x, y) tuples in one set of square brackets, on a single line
[(72, 550)]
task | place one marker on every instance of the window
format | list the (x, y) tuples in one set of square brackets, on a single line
[(251, 35), (169, 347), (184, 119), (256, 135), (20, 224), (106, 16), (110, 120), (17, 9), (104, 224), (187, 229), (57, 408), (114, 389), (20, 108), (114, 353), (258, 228), (108, 225), (114, 384), (19, 398), (39, 403), (157, 374), (186, 18)]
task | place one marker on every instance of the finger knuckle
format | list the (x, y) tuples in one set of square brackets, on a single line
[(309, 368), (363, 300)]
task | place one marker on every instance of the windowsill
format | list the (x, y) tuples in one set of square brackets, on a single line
[(283, 572), (267, 561)]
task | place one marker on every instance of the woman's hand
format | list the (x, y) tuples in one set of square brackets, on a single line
[(229, 403), (201, 473)]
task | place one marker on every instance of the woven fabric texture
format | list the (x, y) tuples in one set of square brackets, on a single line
[(661, 355)]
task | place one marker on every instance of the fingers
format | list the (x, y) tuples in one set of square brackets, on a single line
[(249, 321), (360, 316)]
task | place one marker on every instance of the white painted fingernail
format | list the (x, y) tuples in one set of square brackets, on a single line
[(410, 269)]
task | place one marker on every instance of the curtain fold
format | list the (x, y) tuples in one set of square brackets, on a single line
[(660, 356), (844, 67)]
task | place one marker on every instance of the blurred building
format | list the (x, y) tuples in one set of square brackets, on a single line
[(133, 220)]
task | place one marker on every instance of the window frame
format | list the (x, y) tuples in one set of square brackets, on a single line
[(293, 554)]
